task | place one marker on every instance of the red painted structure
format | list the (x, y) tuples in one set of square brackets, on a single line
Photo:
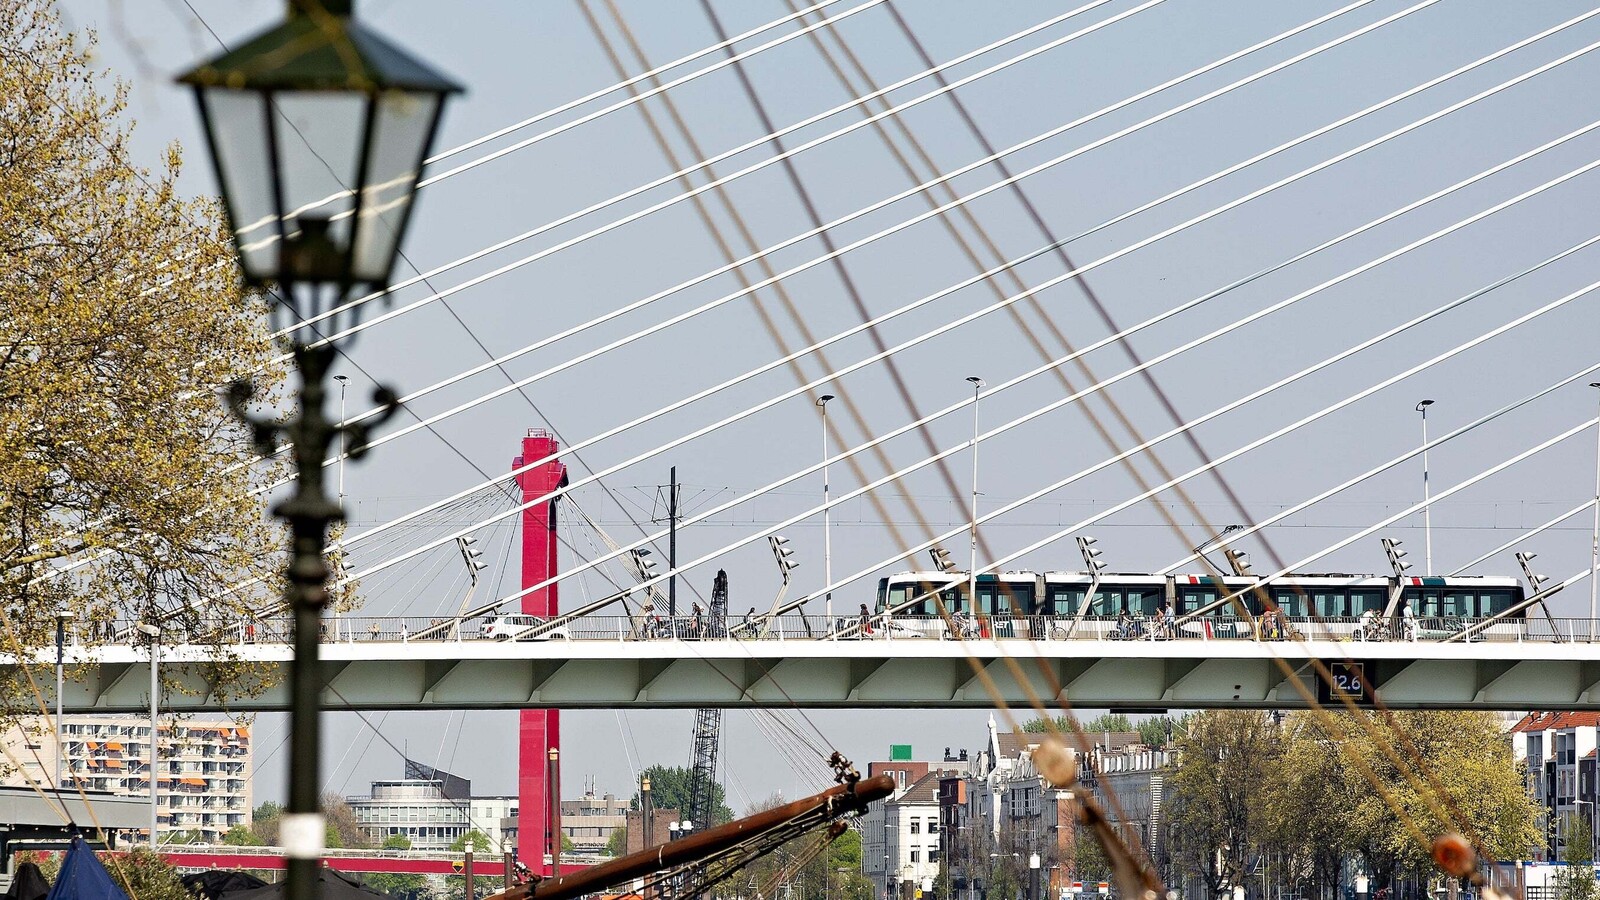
[(540, 729), (396, 865)]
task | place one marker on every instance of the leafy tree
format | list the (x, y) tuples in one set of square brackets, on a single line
[(567, 846), (1322, 797), (1101, 723), (343, 826), (122, 314), (1217, 791), (144, 874), (241, 836), (617, 842), (669, 789), (396, 885), (1157, 731), (809, 865), (264, 823), (1577, 881), (477, 840)]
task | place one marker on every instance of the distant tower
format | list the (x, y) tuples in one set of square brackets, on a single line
[(540, 729)]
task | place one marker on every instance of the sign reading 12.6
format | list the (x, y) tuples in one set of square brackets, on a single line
[(1347, 680)]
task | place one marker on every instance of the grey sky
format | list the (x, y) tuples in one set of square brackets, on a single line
[(520, 58)]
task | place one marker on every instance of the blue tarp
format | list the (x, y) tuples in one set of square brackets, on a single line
[(83, 878)]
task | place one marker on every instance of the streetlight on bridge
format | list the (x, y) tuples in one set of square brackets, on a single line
[(318, 128), (1427, 509)]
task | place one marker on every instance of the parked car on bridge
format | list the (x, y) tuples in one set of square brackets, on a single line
[(522, 628)]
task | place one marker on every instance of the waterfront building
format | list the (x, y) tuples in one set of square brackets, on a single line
[(433, 809), (202, 781)]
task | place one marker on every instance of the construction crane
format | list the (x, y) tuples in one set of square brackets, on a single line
[(707, 725)]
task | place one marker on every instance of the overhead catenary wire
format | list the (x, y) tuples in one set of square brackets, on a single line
[(1058, 279), (1540, 529)]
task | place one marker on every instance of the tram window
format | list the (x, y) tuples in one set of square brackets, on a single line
[(1194, 598), (1064, 601), (1107, 602), (1427, 602), (1144, 601), (1364, 599), (986, 599), (894, 596), (1020, 593), (1290, 601), (1329, 604), (1493, 602), (954, 601), (1459, 603)]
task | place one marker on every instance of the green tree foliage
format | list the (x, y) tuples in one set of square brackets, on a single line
[(1329, 787), (808, 867), (264, 822), (1156, 731), (1577, 880), (1216, 790), (669, 789), (1101, 723), (241, 836), (396, 885), (143, 874), (477, 840), (343, 826), (120, 316), (617, 842)]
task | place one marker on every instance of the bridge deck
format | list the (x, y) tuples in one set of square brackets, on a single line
[(853, 674)]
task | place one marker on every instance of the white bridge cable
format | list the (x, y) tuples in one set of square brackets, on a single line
[(1524, 536), (1412, 453), (1374, 223), (1267, 579), (636, 79), (548, 340), (779, 157), (1062, 402), (1408, 511), (559, 129), (1044, 285), (730, 153), (1108, 223)]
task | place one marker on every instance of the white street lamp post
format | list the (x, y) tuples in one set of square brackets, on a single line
[(972, 560), (1427, 518), (827, 534), (1594, 546), (153, 632), (344, 382), (62, 615)]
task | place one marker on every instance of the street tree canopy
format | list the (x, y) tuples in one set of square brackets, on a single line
[(125, 488)]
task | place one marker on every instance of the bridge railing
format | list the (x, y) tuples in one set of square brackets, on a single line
[(406, 629)]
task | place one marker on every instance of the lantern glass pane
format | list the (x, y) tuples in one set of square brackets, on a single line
[(239, 131), (402, 128), (319, 145)]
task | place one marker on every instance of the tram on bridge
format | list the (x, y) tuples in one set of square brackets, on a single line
[(1082, 604)]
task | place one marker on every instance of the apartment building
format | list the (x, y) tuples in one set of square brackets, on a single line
[(1559, 750), (203, 773)]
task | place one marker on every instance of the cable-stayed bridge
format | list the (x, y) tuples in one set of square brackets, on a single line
[(1187, 261), (782, 672)]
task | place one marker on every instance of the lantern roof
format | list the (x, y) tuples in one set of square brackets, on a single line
[(319, 47)]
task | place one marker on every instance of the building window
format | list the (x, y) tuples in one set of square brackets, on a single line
[(916, 856), (916, 826)]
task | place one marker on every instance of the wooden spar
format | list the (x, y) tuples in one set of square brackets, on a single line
[(835, 801)]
